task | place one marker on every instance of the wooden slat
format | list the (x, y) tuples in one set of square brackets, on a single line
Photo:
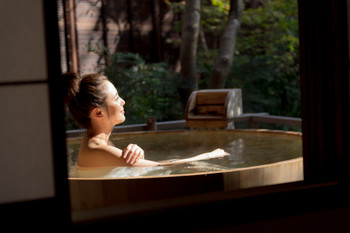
[(206, 123), (211, 110), (204, 117), (211, 98)]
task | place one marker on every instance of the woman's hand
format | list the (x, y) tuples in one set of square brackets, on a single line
[(132, 153), (218, 153)]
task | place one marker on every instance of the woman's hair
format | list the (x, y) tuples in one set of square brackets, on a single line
[(83, 94)]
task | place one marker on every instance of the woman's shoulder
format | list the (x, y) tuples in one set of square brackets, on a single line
[(95, 152)]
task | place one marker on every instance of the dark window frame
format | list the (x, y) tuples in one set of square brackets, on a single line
[(325, 113)]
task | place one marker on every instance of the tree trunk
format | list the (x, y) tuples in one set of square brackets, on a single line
[(223, 63), (188, 50)]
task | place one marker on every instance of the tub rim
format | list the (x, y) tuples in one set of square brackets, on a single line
[(192, 174)]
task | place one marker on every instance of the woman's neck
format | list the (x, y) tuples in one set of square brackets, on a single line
[(99, 129), (103, 135)]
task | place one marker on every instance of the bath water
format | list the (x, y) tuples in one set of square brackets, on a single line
[(246, 148)]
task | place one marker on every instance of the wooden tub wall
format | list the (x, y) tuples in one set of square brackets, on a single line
[(87, 194)]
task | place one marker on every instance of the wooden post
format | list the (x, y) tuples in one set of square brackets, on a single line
[(131, 29), (151, 123), (71, 36), (104, 23), (157, 29)]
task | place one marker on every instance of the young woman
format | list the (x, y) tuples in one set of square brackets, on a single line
[(95, 104)]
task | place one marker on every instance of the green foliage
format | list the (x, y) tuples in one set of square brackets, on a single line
[(213, 14), (266, 62), (266, 66)]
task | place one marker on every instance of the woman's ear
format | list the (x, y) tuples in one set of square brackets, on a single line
[(97, 112)]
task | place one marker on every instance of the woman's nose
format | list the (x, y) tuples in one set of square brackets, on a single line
[(122, 102)]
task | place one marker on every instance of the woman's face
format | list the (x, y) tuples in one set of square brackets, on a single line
[(114, 105)]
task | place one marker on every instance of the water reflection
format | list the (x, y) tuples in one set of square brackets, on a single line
[(236, 150)]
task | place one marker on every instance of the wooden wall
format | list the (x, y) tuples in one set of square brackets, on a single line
[(137, 26)]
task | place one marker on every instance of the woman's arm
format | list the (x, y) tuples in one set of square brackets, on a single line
[(133, 155), (218, 153), (95, 153), (133, 152)]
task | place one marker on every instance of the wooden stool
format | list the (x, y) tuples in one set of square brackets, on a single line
[(213, 108)]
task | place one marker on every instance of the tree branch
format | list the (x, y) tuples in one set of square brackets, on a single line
[(227, 46)]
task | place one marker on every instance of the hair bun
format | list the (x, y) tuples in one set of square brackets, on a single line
[(71, 85)]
